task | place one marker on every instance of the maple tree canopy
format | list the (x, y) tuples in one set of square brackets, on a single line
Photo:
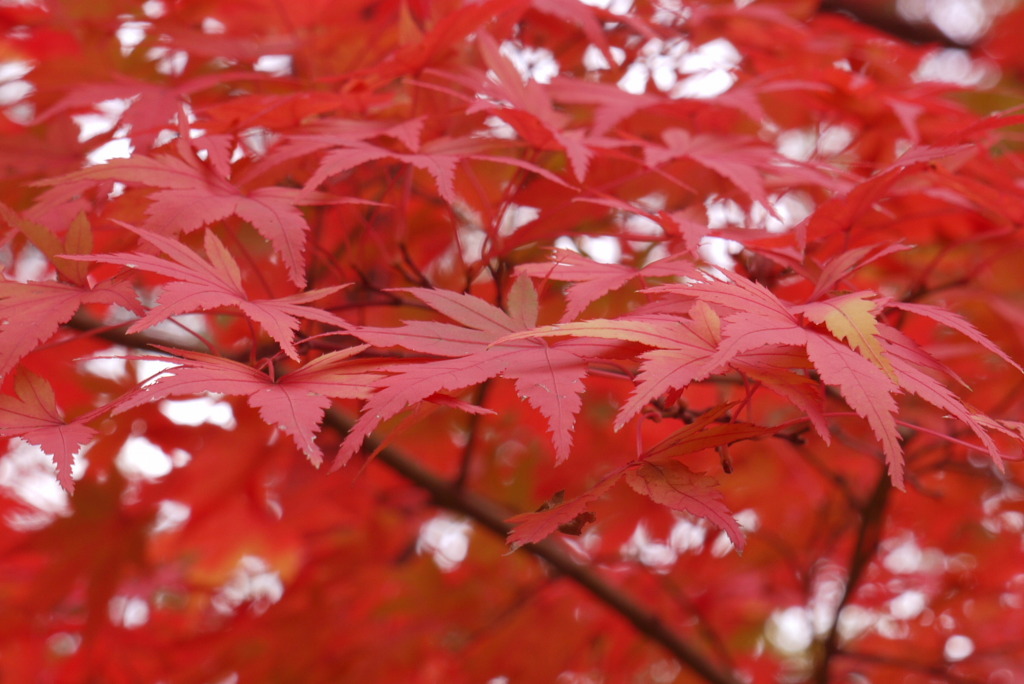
[(510, 341)]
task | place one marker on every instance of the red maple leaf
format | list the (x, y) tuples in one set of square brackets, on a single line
[(672, 484), (30, 313), (192, 196), (34, 416), (548, 376), (295, 402), (201, 284)]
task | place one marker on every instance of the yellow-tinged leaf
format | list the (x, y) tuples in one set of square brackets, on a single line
[(851, 319)]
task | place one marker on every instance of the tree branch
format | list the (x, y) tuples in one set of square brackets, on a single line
[(868, 536), (486, 513), (882, 15)]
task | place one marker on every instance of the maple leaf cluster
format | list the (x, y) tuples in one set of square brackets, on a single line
[(492, 261)]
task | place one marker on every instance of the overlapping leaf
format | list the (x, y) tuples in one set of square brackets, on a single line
[(31, 313), (295, 402), (592, 280), (201, 284), (192, 197), (672, 484), (548, 376), (34, 416)]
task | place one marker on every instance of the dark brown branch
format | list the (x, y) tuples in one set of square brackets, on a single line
[(882, 15), (489, 515), (872, 518)]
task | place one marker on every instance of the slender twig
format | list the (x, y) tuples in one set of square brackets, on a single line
[(868, 536), (472, 437)]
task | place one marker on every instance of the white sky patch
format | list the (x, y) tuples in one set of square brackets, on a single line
[(722, 546), (139, 458), (790, 630), (952, 66), (14, 70), (829, 587), (791, 209), (710, 67), (803, 144), (31, 265), (635, 79), (154, 9), (28, 473), (538, 64), (957, 648), (130, 612), (130, 34), (12, 92), (213, 26), (110, 364), (119, 148), (446, 538), (962, 20), (907, 557), (719, 252), (604, 249), (616, 6), (170, 516), (199, 411), (147, 369), (254, 583), (594, 59), (907, 605), (471, 243), (647, 551), (168, 62), (500, 129), (64, 644), (748, 519), (106, 116), (854, 620), (275, 65), (687, 535), (515, 217)]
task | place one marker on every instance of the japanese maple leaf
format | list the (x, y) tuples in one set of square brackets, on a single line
[(526, 105), (866, 389), (191, 197), (911, 364), (848, 261), (201, 284), (30, 313), (440, 166), (151, 106), (761, 319), (851, 318), (548, 376), (658, 476), (956, 322), (684, 352), (711, 429), (34, 416), (591, 279), (673, 484), (733, 158), (295, 402), (533, 527), (77, 240)]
